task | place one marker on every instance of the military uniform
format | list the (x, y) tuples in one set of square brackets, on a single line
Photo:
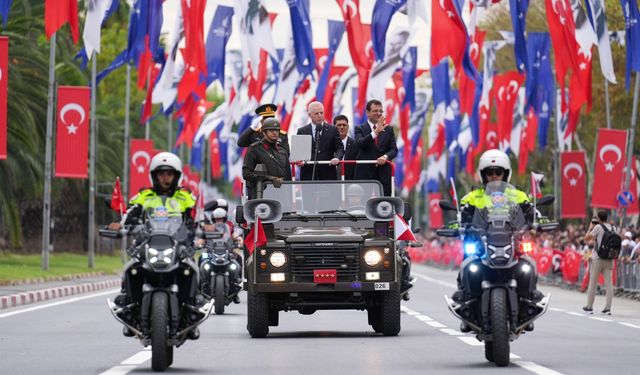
[(275, 159), (250, 135)]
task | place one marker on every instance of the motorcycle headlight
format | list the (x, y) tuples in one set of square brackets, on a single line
[(160, 257), (372, 257), (277, 259)]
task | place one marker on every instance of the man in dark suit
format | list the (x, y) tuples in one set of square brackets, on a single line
[(325, 145), (341, 122), (376, 141)]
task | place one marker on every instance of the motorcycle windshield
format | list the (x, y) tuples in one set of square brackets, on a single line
[(500, 208), (224, 241), (164, 225)]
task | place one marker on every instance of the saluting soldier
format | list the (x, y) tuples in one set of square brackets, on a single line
[(253, 133), (271, 153)]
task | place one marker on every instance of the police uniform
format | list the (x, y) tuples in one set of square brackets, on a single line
[(181, 201), (249, 136), (274, 157), (478, 199)]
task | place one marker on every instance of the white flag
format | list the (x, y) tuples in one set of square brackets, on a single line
[(96, 12), (166, 89), (599, 24)]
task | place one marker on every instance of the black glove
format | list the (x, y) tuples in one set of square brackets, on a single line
[(276, 181)]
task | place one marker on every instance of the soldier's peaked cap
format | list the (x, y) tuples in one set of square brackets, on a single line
[(266, 110)]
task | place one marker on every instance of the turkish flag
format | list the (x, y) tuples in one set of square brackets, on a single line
[(448, 33), (256, 237), (141, 153), (334, 78), (435, 213), (468, 85), (573, 174), (117, 200), (195, 65), (505, 90), (609, 167), (59, 12), (191, 180), (4, 75), (214, 152), (72, 140), (401, 229), (356, 35)]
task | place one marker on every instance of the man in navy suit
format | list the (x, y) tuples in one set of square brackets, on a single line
[(341, 122), (376, 141), (325, 145)]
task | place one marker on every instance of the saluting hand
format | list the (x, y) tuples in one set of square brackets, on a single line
[(380, 125)]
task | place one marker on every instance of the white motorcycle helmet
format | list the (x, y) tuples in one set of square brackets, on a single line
[(165, 161), (219, 213), (222, 203), (494, 159)]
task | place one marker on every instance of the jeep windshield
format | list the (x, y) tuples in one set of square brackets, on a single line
[(324, 197)]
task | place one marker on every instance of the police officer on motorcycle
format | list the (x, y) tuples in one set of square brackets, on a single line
[(166, 195), (494, 165)]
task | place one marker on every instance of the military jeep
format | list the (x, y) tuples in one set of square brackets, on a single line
[(325, 250)]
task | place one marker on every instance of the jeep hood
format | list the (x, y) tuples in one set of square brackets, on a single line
[(307, 234)]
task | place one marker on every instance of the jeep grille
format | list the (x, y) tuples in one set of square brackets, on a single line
[(343, 257)]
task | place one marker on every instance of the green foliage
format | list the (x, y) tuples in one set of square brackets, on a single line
[(14, 267)]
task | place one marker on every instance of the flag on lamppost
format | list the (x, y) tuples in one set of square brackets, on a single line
[(573, 177), (72, 139), (608, 168), (5, 6)]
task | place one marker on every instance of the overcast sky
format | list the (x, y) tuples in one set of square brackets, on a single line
[(321, 11)]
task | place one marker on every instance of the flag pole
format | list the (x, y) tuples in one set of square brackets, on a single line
[(125, 158), (607, 104), (92, 166), (632, 136), (147, 125), (46, 206)]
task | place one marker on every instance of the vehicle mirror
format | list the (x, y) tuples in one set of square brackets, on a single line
[(546, 200), (446, 232), (109, 233), (383, 208), (211, 205), (268, 210), (240, 215), (446, 205), (415, 244), (416, 230), (407, 212)]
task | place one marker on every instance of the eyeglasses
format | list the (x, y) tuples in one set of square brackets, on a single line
[(494, 172)]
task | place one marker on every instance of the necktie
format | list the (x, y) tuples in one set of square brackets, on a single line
[(375, 140)]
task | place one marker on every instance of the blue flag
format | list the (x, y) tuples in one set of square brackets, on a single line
[(452, 119), (540, 86), (474, 119), (518, 10), (336, 31), (302, 37), (217, 39), (154, 25), (409, 68), (119, 61), (5, 6), (196, 154), (632, 37), (440, 83), (82, 56), (138, 20), (382, 13)]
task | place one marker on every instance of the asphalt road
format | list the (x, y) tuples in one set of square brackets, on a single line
[(79, 336)]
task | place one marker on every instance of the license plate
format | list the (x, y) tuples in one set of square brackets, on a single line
[(325, 276), (380, 286)]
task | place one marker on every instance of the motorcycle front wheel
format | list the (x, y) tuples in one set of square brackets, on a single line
[(217, 286), (499, 327), (161, 353)]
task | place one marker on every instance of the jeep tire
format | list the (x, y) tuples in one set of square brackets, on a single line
[(257, 314), (389, 318)]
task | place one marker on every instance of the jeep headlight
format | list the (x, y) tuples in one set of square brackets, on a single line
[(372, 257), (384, 209), (277, 259), (160, 257)]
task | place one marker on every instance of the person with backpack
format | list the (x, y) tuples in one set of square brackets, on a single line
[(607, 248)]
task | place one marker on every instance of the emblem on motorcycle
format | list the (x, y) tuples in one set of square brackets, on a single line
[(498, 199), (160, 212), (173, 204)]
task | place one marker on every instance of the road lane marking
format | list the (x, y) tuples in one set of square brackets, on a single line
[(424, 318), (435, 281), (130, 363), (575, 313), (471, 341), (600, 319), (556, 309), (451, 332), (53, 304), (435, 324), (629, 325), (535, 368)]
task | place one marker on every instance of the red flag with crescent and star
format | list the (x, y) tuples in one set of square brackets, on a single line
[(573, 176), (4, 75), (72, 137), (610, 159), (435, 213), (139, 159)]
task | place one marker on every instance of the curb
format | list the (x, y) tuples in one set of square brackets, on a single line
[(46, 279), (34, 296)]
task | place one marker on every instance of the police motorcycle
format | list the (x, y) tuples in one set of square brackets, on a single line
[(220, 277), (499, 301), (160, 305)]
